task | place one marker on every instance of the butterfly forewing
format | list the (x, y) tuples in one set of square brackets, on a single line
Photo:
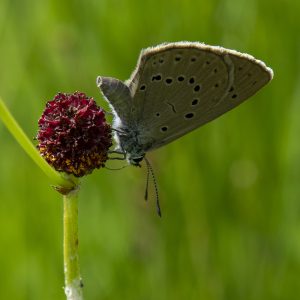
[(180, 86)]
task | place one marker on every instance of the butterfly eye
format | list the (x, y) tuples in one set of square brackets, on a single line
[(143, 87), (180, 78), (164, 128), (137, 160)]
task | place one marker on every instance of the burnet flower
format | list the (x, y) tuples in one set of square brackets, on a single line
[(73, 134)]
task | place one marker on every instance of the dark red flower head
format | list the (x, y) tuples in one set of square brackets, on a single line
[(73, 134)]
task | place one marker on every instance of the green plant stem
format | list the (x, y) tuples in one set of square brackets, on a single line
[(73, 284), (65, 184), (56, 178)]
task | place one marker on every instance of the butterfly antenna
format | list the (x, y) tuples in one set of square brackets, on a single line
[(147, 182), (150, 170)]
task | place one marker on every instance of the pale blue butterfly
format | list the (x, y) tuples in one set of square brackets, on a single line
[(176, 88)]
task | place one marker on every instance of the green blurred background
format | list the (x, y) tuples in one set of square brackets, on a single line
[(230, 191)]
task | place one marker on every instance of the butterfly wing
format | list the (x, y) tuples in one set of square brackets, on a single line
[(119, 97), (178, 87)]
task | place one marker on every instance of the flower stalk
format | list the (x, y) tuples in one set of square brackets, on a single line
[(73, 283)]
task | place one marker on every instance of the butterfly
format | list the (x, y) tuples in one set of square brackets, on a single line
[(176, 88)]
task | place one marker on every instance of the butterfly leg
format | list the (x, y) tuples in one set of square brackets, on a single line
[(117, 130), (116, 157)]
